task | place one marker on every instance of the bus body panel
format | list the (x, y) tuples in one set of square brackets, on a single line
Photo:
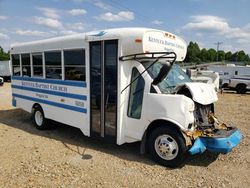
[(168, 107), (68, 106), (130, 41)]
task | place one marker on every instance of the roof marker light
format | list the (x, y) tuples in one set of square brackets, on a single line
[(138, 40)]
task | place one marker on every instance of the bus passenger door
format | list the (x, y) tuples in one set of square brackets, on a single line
[(103, 89)]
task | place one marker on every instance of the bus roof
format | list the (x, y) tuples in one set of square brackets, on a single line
[(132, 40)]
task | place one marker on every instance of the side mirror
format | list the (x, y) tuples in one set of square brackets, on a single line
[(162, 74)]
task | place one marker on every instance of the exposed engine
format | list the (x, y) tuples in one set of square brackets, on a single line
[(202, 114)]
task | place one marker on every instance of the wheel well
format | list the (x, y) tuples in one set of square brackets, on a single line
[(225, 85), (153, 125), (161, 123), (36, 105), (241, 84)]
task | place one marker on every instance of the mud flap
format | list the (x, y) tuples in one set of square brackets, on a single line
[(216, 144)]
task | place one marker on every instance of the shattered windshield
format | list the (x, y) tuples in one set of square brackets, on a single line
[(176, 76)]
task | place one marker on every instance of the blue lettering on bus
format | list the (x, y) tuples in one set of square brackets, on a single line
[(45, 86), (165, 42), (51, 92)]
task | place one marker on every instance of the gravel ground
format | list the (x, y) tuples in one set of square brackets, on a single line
[(63, 157)]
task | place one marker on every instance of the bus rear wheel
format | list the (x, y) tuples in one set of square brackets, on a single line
[(167, 147), (39, 119)]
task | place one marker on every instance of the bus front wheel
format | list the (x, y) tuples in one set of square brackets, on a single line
[(167, 147), (241, 88), (39, 119)]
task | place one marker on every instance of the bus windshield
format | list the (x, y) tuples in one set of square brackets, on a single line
[(176, 76)]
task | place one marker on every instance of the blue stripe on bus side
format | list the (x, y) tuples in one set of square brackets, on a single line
[(50, 81), (13, 102), (68, 95), (65, 106)]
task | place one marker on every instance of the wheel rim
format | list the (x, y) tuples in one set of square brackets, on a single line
[(39, 118), (166, 147)]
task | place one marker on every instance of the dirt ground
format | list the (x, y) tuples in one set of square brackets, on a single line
[(63, 157)]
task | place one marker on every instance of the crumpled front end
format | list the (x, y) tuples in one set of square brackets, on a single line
[(211, 135), (222, 142), (214, 137), (206, 132)]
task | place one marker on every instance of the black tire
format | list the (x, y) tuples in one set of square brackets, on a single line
[(175, 157), (225, 85), (241, 88), (43, 124)]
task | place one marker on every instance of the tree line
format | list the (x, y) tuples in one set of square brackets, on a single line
[(197, 55)]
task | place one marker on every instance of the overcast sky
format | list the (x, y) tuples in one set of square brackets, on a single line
[(203, 21)]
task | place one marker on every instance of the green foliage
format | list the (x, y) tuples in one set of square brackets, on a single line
[(221, 55), (228, 56), (3, 55), (241, 56), (193, 51), (195, 55), (211, 55), (203, 55)]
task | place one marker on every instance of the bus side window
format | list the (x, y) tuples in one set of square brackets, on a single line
[(37, 60), (74, 62), (136, 95), (53, 65), (16, 65), (26, 65)]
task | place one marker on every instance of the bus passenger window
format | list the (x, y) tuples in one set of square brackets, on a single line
[(16, 65), (74, 61), (53, 64), (136, 95), (26, 65), (37, 60)]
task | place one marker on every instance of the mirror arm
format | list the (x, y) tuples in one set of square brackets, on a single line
[(140, 75)]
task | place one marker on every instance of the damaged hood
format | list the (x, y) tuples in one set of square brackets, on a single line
[(202, 93)]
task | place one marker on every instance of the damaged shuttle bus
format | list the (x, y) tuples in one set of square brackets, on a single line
[(123, 86)]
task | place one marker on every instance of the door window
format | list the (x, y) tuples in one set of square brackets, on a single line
[(110, 87), (136, 95), (103, 88)]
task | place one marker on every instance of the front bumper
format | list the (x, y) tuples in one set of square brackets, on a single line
[(221, 143)]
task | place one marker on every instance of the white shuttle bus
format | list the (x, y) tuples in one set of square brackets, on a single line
[(120, 85)]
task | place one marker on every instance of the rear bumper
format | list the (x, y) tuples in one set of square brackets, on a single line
[(216, 144)]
